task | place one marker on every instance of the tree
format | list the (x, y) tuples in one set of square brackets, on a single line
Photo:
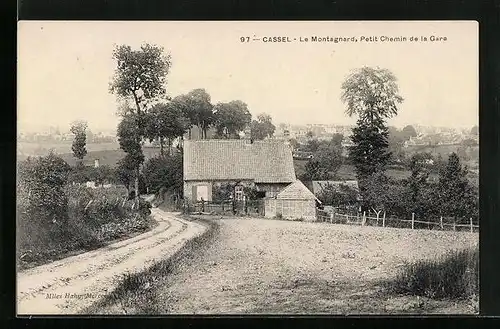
[(329, 157), (309, 134), (125, 171), (409, 132), (164, 172), (165, 121), (337, 139), (418, 197), (474, 131), (457, 196), (197, 108), (396, 141), (312, 145), (342, 195), (380, 193), (102, 174), (372, 95), (43, 179), (370, 152), (141, 76), (128, 132), (468, 142), (231, 118), (80, 174), (78, 128), (314, 171), (262, 127), (294, 144)]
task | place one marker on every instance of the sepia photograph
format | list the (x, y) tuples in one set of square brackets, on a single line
[(247, 167)]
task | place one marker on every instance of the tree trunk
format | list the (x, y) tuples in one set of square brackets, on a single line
[(161, 146), (189, 134), (137, 172)]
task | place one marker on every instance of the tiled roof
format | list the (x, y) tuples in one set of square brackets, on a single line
[(318, 185), (296, 191), (268, 161)]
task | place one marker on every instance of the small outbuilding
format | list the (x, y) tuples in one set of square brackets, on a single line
[(295, 201)]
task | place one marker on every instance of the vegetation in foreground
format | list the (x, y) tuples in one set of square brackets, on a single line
[(452, 276), (56, 219)]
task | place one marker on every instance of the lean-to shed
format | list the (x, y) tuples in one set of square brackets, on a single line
[(295, 201)]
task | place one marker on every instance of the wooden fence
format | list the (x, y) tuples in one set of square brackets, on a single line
[(362, 219), (250, 208)]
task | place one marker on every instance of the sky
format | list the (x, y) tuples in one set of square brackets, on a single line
[(64, 68)]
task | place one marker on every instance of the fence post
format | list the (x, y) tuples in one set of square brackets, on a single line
[(412, 220), (346, 219), (454, 225), (331, 217), (471, 228), (441, 221), (88, 204), (363, 220), (383, 220)]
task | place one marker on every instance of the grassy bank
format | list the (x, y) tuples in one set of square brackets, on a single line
[(93, 218), (453, 276), (137, 293)]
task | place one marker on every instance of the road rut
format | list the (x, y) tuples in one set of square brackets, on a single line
[(69, 285)]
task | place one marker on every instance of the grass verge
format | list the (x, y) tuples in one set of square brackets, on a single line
[(137, 293), (454, 276)]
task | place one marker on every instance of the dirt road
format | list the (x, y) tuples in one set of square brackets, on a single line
[(71, 284)]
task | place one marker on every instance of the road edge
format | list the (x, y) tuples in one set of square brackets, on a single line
[(134, 288)]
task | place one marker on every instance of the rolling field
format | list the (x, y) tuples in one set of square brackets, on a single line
[(107, 153), (268, 266), (38, 149)]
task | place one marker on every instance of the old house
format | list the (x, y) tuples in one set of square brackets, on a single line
[(266, 166), (295, 201)]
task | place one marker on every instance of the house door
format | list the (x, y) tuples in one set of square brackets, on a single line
[(201, 192)]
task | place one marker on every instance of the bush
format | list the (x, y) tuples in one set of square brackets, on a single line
[(164, 172), (93, 217), (455, 275)]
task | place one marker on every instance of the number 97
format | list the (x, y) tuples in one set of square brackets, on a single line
[(243, 39)]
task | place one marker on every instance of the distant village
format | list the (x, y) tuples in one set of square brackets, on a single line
[(426, 135), (56, 134)]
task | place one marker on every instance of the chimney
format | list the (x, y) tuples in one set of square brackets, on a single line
[(96, 163), (247, 134)]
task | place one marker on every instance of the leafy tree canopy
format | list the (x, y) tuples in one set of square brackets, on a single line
[(409, 131), (262, 127), (164, 172), (79, 129), (371, 94), (165, 121), (140, 74), (231, 118)]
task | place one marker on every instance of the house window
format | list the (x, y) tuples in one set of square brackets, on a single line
[(238, 192)]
